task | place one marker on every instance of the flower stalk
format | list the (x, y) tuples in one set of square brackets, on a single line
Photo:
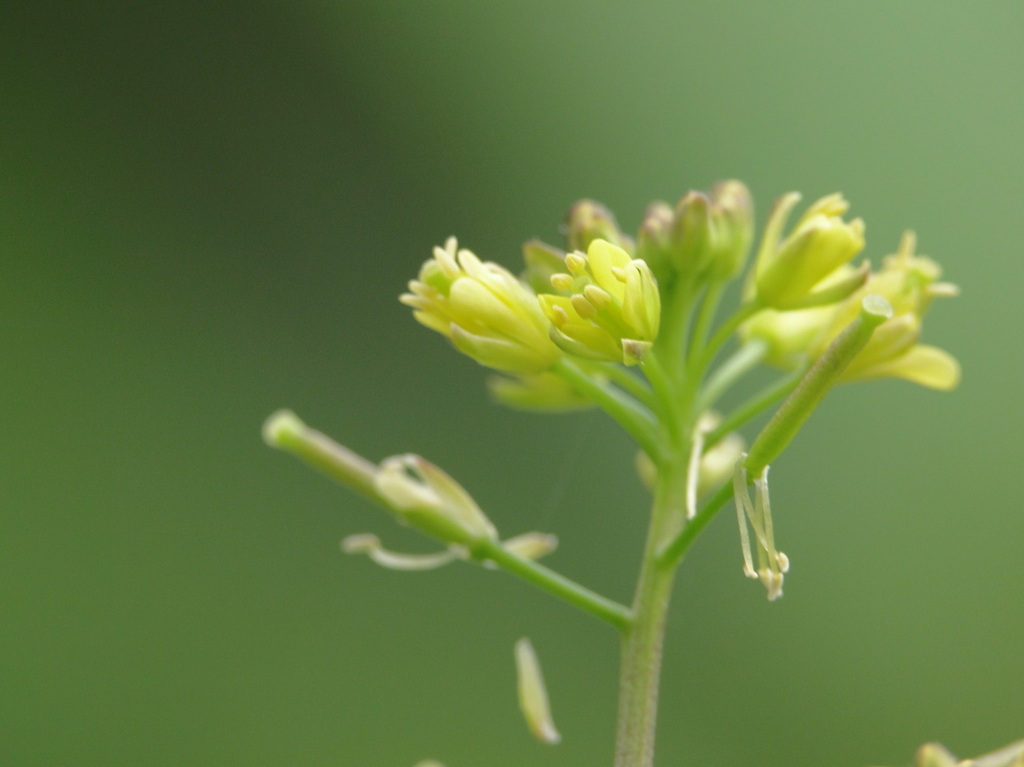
[(628, 326)]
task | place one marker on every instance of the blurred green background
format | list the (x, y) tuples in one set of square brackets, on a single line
[(207, 211)]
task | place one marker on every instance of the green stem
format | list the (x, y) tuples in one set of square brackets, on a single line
[(643, 639), (556, 584), (677, 303), (822, 376), (285, 431), (630, 415), (706, 315), (628, 382), (673, 553), (665, 392), (753, 407), (729, 372), (701, 358)]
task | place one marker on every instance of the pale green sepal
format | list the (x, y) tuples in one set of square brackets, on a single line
[(837, 290), (498, 353), (369, 544), (428, 763), (641, 303), (576, 337), (772, 235), (635, 352), (533, 695)]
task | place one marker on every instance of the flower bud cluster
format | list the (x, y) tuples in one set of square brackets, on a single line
[(602, 299), (706, 235), (487, 313), (607, 306)]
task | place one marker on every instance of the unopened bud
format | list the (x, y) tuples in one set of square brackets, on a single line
[(587, 221)]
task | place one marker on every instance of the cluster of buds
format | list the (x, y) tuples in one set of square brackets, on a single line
[(485, 310), (607, 307), (705, 236)]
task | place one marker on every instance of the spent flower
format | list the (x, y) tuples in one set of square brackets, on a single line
[(431, 501)]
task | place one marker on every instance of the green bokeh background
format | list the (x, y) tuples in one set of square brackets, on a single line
[(206, 213)]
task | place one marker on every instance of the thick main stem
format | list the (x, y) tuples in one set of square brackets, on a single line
[(643, 639)]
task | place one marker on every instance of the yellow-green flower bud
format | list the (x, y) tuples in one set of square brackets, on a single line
[(654, 241), (820, 243), (432, 502), (693, 233), (587, 221), (732, 211), (613, 308), (487, 313), (711, 234)]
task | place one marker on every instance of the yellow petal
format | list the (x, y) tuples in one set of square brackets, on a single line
[(925, 365)]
